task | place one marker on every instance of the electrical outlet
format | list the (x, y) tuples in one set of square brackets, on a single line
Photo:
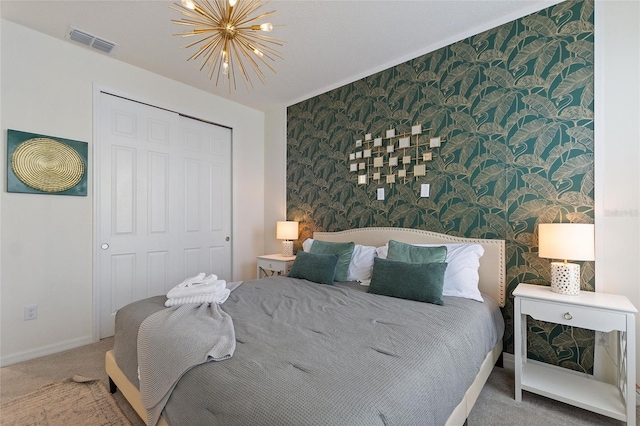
[(602, 338), (30, 312)]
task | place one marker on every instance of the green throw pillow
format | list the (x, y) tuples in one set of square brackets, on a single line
[(344, 252), (422, 282), (319, 268), (415, 254)]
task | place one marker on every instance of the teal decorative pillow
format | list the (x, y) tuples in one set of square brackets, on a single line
[(422, 282), (319, 268), (416, 254), (344, 252)]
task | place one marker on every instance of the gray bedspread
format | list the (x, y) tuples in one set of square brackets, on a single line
[(312, 354)]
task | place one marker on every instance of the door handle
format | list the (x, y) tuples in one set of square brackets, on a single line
[(104, 246), (227, 239)]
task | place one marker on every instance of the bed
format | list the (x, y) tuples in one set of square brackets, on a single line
[(314, 354)]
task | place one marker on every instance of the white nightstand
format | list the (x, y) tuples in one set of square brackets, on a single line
[(589, 310), (274, 264)]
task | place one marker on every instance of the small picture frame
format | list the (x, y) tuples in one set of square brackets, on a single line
[(377, 142), (416, 130), (427, 156), (378, 162), (366, 153), (434, 142), (402, 173), (376, 176), (362, 180), (353, 167), (404, 143), (419, 170), (362, 166), (352, 156), (358, 143), (390, 149), (391, 178), (390, 133), (393, 161), (406, 159), (358, 154), (367, 137)]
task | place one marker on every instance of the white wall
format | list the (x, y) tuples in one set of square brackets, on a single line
[(617, 153), (46, 243), (0, 177), (275, 176)]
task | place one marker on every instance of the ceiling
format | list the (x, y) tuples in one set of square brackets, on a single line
[(329, 42)]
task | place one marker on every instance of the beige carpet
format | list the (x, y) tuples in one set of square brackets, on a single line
[(78, 401), (495, 406)]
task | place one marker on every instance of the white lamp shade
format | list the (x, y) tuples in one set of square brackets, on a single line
[(566, 241), (286, 230)]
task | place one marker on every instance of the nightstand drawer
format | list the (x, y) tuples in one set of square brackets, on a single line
[(271, 265), (583, 317)]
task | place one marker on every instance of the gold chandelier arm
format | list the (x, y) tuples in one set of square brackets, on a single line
[(216, 13), (212, 45), (247, 78), (243, 9), (253, 57), (187, 46), (264, 48)]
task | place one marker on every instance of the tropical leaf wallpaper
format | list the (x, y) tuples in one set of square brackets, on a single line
[(515, 107)]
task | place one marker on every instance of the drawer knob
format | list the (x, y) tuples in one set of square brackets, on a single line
[(568, 316)]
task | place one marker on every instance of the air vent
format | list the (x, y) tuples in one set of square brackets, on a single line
[(90, 40)]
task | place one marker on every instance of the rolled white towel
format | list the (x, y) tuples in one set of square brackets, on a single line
[(190, 280), (207, 279), (218, 297), (207, 287)]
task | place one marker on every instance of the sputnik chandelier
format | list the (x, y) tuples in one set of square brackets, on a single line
[(230, 37)]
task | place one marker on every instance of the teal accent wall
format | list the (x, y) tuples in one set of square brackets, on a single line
[(515, 105)]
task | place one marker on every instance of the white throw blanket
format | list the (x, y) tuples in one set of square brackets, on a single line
[(198, 289), (172, 341)]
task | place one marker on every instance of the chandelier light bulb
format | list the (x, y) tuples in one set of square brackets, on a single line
[(225, 68), (258, 52), (188, 4), (232, 2), (266, 27)]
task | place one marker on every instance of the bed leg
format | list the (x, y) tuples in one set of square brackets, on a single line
[(112, 386), (500, 361)]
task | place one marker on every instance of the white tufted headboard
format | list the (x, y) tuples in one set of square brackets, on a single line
[(492, 263)]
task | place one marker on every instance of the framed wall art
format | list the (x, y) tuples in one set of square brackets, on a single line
[(39, 164)]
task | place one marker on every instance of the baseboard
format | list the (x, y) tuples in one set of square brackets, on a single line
[(45, 350)]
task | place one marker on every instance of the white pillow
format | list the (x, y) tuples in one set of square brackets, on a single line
[(361, 265), (461, 276), (306, 244)]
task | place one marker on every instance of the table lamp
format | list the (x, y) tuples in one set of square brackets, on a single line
[(572, 241), (287, 231)]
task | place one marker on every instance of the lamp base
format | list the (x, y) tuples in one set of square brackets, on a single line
[(565, 278), (287, 248)]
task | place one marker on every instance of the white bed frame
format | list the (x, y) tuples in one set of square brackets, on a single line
[(492, 283)]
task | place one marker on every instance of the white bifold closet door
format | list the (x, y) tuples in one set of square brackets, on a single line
[(163, 202)]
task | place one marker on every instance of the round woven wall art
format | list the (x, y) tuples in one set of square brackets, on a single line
[(47, 165)]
